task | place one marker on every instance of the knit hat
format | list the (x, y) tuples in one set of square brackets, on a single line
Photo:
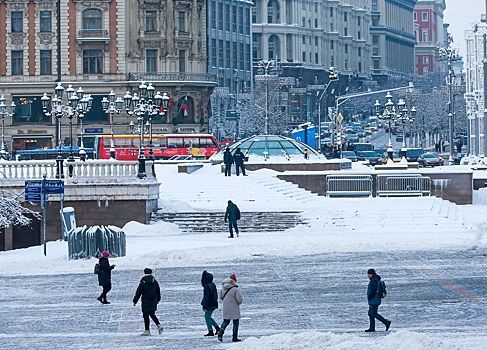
[(233, 277), (371, 272), (105, 254), (147, 271)]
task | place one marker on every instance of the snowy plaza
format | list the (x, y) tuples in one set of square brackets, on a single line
[(303, 288)]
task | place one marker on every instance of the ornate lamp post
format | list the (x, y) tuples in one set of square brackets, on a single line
[(149, 105), (388, 115), (3, 111), (86, 104), (112, 106)]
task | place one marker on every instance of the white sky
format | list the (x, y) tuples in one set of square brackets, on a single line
[(460, 14)]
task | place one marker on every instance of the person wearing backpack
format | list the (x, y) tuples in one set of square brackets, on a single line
[(232, 298), (209, 302), (233, 215), (150, 292), (374, 293), (104, 277)]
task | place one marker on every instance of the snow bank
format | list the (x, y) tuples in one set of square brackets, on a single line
[(401, 340)]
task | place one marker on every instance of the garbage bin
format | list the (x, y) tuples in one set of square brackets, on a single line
[(68, 221)]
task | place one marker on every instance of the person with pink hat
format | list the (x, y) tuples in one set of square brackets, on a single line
[(232, 298), (105, 277)]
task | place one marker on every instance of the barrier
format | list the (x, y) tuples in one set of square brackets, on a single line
[(400, 185), (84, 242), (348, 185)]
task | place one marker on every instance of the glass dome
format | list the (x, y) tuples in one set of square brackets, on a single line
[(271, 146)]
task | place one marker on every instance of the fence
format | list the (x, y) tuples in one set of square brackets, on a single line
[(348, 185), (403, 185), (84, 243)]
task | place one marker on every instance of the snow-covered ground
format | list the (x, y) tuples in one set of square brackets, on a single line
[(333, 226)]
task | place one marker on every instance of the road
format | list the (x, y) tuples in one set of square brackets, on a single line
[(433, 292)]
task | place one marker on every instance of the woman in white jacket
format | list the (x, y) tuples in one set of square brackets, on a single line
[(232, 298)]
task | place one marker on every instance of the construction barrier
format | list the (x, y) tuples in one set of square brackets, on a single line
[(84, 242)]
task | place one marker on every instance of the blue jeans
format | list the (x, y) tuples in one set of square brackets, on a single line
[(373, 314), (231, 225), (235, 326), (210, 322)]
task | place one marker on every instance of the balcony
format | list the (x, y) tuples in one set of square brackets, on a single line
[(174, 77), (91, 35)]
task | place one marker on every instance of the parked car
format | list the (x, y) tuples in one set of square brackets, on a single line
[(429, 159), (385, 156), (349, 155), (370, 156)]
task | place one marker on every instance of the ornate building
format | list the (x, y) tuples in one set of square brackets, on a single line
[(101, 46)]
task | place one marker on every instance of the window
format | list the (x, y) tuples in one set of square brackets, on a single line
[(346, 48), (150, 21), (345, 31), (331, 27), (310, 40), (17, 62), (181, 21), (304, 39), (29, 110), (151, 60), (240, 20), (360, 66), (303, 21), (92, 19), (425, 60), (358, 20), (45, 21), (346, 64), (316, 7), (375, 51), (345, 17), (359, 35), (425, 36), (46, 62), (425, 16), (415, 16), (182, 61), (92, 62), (359, 52), (332, 61), (331, 44), (376, 64), (96, 114), (254, 14), (227, 18), (375, 39), (316, 41), (316, 22), (16, 21), (316, 57), (331, 11), (304, 56), (303, 5)]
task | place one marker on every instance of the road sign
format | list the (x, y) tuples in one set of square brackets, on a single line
[(33, 183), (231, 115), (54, 186), (33, 197), (33, 190), (340, 118)]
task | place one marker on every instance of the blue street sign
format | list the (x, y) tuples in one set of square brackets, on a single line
[(33, 183), (54, 190), (32, 190), (94, 131), (33, 197), (54, 186)]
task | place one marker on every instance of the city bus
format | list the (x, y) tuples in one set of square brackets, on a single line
[(362, 146), (43, 154), (199, 146)]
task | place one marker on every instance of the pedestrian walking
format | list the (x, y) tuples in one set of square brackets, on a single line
[(233, 215), (239, 159), (374, 301), (150, 292), (105, 277), (228, 160), (209, 302), (232, 298)]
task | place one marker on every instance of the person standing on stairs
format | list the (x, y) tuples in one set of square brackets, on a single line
[(233, 215)]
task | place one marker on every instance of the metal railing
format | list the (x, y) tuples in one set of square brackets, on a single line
[(84, 242), (171, 76), (93, 34), (348, 185), (31, 169), (400, 185)]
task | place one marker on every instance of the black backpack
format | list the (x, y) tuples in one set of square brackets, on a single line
[(97, 269), (151, 291), (382, 291), (238, 213)]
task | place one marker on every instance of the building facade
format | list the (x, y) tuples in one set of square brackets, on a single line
[(430, 33), (102, 46)]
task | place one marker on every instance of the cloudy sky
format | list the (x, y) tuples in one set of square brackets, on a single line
[(460, 14)]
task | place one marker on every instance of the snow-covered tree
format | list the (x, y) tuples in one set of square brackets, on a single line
[(12, 212)]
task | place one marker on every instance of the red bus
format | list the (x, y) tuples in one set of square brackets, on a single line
[(200, 146)]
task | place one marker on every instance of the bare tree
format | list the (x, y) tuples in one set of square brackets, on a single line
[(12, 212)]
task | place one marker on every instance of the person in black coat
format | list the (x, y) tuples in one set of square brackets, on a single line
[(233, 215), (239, 159), (209, 302), (105, 277), (228, 160), (150, 292)]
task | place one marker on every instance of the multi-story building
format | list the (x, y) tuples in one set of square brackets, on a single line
[(102, 46), (430, 33), (393, 39)]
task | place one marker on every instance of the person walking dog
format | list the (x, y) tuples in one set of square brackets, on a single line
[(232, 298), (233, 215), (150, 292), (228, 160), (374, 299), (209, 302), (105, 277)]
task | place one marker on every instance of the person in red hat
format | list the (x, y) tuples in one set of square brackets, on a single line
[(105, 277), (232, 298)]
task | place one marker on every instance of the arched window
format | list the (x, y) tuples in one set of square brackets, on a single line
[(273, 12), (274, 47), (92, 19), (185, 115)]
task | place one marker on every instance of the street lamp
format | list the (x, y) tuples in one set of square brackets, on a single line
[(73, 108), (403, 117), (388, 115), (268, 68), (86, 104), (111, 106), (149, 105), (3, 111), (332, 77)]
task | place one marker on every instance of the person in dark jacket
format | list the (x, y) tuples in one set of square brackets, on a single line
[(150, 292), (232, 214), (209, 302), (374, 301), (228, 160), (105, 277), (239, 159)]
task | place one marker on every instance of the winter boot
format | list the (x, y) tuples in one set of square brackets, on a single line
[(146, 333), (220, 334), (159, 327), (370, 330), (235, 339), (100, 298), (388, 324), (105, 301), (217, 329), (210, 334)]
